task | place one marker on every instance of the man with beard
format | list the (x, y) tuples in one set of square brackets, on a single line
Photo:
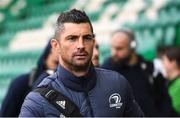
[(92, 91), (150, 91)]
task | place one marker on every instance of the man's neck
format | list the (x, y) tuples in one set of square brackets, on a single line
[(75, 71), (80, 73)]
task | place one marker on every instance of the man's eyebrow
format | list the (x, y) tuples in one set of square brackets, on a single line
[(89, 35), (71, 36), (86, 35)]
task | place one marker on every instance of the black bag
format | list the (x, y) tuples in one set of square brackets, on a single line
[(59, 101)]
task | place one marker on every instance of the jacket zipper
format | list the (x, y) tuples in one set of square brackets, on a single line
[(89, 103), (87, 97)]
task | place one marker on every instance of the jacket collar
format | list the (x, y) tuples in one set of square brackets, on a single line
[(83, 84)]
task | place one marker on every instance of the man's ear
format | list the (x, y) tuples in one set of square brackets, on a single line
[(55, 45)]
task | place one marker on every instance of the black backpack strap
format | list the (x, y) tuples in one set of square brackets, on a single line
[(59, 101)]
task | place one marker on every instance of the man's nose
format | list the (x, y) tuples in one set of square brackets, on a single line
[(80, 44)]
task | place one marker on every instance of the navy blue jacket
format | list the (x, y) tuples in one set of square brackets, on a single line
[(100, 93)]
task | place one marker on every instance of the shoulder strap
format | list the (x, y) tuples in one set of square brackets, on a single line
[(59, 101)]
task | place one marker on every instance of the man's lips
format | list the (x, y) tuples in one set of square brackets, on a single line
[(81, 56)]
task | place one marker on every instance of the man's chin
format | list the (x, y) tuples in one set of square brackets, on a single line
[(115, 61), (81, 64), (119, 62)]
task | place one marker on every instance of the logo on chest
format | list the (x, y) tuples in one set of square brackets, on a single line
[(115, 101)]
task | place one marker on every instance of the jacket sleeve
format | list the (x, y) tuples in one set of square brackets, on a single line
[(32, 106), (132, 109)]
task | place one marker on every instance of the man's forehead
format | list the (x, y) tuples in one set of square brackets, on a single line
[(120, 40), (120, 35), (76, 29)]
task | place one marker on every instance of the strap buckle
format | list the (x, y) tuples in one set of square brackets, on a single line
[(50, 95)]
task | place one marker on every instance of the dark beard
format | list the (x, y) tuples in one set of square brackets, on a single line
[(122, 62), (80, 67)]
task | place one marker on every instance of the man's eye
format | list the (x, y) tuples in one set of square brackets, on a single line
[(71, 39), (88, 38)]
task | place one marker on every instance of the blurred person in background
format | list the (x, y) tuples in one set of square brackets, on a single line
[(150, 91), (157, 61), (50, 62), (23, 84), (95, 56), (171, 62)]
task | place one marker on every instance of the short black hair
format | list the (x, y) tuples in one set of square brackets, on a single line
[(72, 16), (173, 53)]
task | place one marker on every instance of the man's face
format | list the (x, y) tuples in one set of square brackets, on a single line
[(52, 60), (95, 57), (168, 65), (120, 48), (75, 45)]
